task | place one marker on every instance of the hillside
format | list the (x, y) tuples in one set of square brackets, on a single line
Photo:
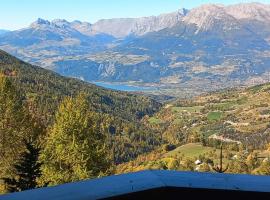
[(42, 86), (121, 111), (194, 129), (183, 53), (240, 115)]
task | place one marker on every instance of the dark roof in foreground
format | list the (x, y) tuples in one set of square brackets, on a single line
[(149, 183)]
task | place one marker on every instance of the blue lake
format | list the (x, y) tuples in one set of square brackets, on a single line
[(122, 87)]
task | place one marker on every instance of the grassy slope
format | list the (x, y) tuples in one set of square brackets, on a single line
[(189, 150)]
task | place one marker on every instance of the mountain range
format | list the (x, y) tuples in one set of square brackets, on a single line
[(186, 52)]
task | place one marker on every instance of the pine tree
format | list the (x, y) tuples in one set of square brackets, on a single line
[(16, 126), (27, 170), (13, 126), (75, 148)]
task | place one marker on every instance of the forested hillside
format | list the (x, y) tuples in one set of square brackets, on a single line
[(62, 119), (46, 89)]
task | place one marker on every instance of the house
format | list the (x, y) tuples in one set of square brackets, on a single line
[(198, 162)]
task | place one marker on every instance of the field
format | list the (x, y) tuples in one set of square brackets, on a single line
[(193, 109), (154, 120), (190, 150), (214, 116)]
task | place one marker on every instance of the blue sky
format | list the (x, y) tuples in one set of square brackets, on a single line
[(17, 14)]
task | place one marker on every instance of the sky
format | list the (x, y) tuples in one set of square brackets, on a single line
[(16, 14)]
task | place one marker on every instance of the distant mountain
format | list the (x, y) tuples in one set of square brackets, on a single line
[(206, 48), (138, 26), (44, 39), (3, 31)]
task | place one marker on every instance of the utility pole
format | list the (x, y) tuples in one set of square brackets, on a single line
[(219, 168)]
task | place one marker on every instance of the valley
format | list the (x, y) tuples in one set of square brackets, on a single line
[(187, 90), (141, 133)]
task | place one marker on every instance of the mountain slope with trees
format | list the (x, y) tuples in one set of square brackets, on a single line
[(60, 116), (46, 89)]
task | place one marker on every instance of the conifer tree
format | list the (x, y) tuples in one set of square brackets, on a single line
[(27, 170), (14, 123), (75, 148)]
